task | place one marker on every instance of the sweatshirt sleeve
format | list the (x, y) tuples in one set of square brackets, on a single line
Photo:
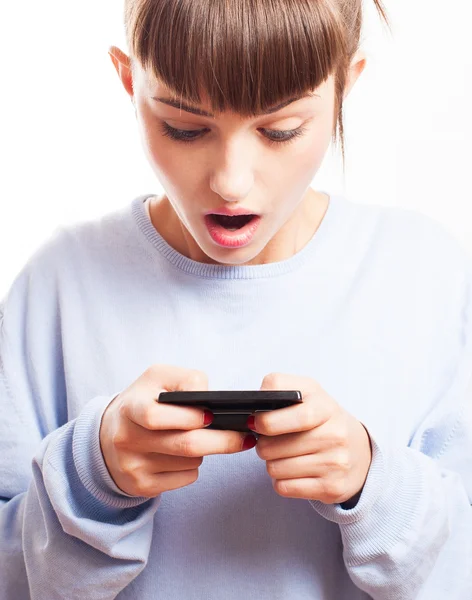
[(409, 536), (66, 530)]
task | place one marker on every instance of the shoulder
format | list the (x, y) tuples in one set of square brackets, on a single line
[(433, 271), (413, 269), (411, 247), (420, 279), (61, 266), (418, 231), (433, 255), (79, 246), (428, 238)]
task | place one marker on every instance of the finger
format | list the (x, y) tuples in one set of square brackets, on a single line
[(150, 414), (312, 488), (297, 444), (153, 485), (145, 410), (299, 417), (308, 465), (292, 419), (141, 440), (307, 487), (173, 378), (201, 442), (164, 463)]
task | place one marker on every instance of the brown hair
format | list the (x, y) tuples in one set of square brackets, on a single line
[(246, 55)]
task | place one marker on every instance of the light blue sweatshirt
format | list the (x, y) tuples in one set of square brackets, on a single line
[(377, 308)]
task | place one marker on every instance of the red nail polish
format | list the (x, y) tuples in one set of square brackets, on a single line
[(249, 442), (251, 423), (208, 417)]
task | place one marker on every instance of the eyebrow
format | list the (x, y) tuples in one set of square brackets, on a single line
[(204, 113)]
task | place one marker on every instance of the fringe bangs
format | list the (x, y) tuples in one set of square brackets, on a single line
[(243, 56)]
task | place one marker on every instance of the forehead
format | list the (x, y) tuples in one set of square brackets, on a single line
[(162, 95)]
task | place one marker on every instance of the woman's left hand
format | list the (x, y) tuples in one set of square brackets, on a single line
[(314, 450)]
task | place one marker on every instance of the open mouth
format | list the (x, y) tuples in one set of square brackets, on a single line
[(232, 232), (232, 223)]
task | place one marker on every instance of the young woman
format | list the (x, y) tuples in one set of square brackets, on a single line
[(241, 276)]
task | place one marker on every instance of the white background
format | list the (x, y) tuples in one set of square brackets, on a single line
[(69, 143)]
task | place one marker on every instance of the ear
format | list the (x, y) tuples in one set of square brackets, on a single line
[(122, 65), (357, 66)]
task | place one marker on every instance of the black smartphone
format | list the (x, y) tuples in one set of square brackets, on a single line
[(232, 408)]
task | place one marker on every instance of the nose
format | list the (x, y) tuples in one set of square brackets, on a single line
[(232, 178)]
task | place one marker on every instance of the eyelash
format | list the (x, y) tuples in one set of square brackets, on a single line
[(180, 135)]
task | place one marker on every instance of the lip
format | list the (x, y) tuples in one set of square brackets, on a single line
[(235, 212), (232, 239)]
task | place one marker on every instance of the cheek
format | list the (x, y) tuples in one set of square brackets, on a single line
[(300, 165), (155, 145), (311, 158), (164, 156), (319, 141)]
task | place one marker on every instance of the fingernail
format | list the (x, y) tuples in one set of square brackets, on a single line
[(208, 418), (249, 442), (251, 423)]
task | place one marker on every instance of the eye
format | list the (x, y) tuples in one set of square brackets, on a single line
[(181, 135), (283, 137), (273, 136)]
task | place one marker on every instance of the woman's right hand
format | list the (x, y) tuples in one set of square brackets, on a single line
[(150, 448)]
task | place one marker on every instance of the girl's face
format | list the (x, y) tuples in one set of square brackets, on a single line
[(234, 163)]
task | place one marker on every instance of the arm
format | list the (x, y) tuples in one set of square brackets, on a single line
[(409, 536), (66, 531)]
